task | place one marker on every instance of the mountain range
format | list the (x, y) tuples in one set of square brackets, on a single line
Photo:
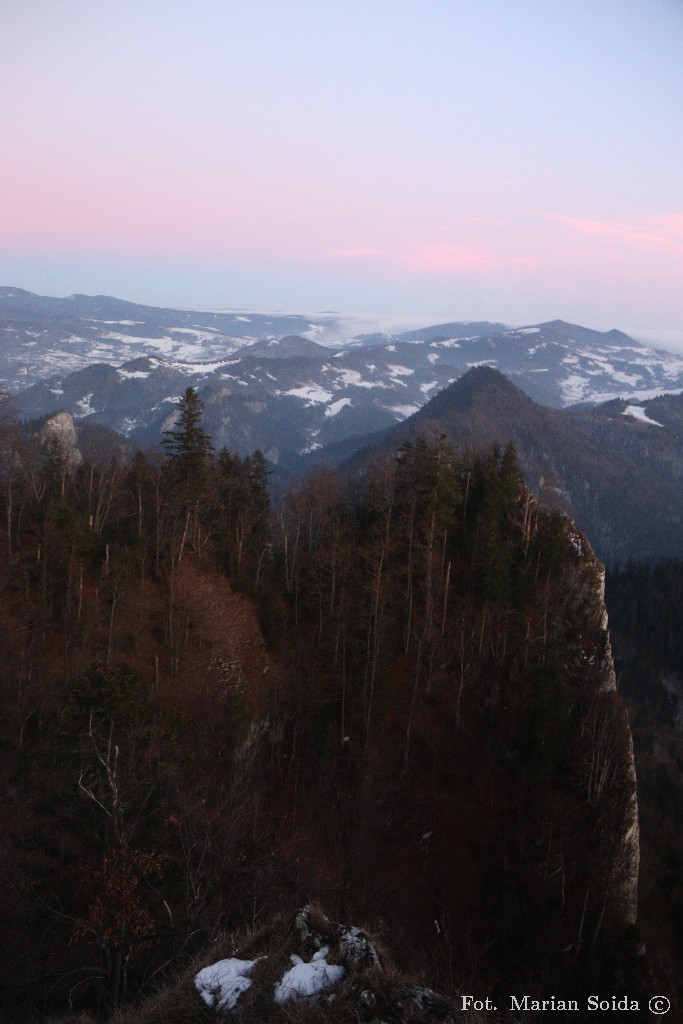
[(616, 468), (597, 417)]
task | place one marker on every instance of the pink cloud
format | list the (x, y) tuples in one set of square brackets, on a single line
[(657, 234), (441, 256)]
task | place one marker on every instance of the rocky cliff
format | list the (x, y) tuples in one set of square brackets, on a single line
[(605, 762)]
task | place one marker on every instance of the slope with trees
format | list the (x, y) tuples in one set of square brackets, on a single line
[(398, 697)]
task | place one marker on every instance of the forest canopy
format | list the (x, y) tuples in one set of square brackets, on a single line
[(212, 708)]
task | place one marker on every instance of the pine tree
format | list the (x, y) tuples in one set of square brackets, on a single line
[(188, 446)]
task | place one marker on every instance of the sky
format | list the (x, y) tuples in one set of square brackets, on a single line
[(515, 160)]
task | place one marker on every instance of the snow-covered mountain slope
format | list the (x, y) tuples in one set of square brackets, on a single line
[(275, 382)]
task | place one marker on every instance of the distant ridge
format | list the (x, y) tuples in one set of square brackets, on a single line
[(620, 477), (290, 347)]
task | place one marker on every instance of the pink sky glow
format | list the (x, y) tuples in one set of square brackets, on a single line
[(515, 161)]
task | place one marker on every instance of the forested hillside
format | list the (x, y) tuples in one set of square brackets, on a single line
[(397, 697)]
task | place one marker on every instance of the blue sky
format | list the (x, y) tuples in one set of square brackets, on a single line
[(509, 159)]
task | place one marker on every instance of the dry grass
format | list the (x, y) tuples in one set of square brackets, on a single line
[(368, 994)]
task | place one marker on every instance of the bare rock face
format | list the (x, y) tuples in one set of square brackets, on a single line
[(604, 759), (59, 433)]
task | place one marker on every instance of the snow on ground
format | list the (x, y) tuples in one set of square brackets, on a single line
[(312, 394), (351, 378), (83, 406), (133, 339), (337, 406), (640, 414), (399, 371), (304, 980), (426, 388), (221, 984), (124, 323), (205, 367), (200, 333), (133, 373), (626, 378), (573, 388), (404, 411)]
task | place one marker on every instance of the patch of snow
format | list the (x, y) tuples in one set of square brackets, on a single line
[(312, 394), (404, 411), (391, 348), (124, 323), (573, 388), (400, 371), (337, 406), (84, 407), (133, 373), (132, 338), (352, 378), (640, 414), (193, 368), (201, 334), (221, 984), (433, 357), (243, 319), (304, 980), (627, 378), (426, 388), (523, 330)]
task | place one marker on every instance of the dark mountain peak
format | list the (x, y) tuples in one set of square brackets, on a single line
[(480, 384), (557, 325), (291, 346)]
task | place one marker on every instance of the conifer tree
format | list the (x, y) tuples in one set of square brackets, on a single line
[(188, 446)]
